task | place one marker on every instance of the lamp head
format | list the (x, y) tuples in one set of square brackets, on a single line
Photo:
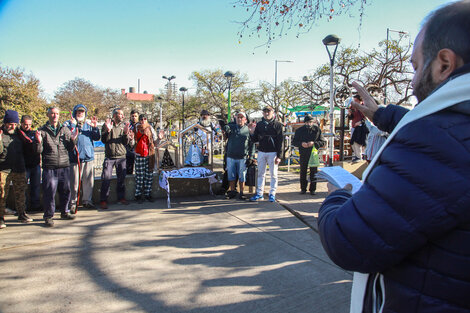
[(229, 74), (331, 40), (183, 89)]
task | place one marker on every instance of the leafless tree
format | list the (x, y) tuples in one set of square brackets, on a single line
[(271, 19)]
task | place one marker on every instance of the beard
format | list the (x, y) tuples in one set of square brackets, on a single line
[(425, 86), (204, 122), (80, 120), (10, 131)]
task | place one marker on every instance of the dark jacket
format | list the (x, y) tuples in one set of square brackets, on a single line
[(55, 146), (11, 153), (86, 136), (410, 220), (269, 136), (307, 134), (31, 157), (239, 145), (115, 141)]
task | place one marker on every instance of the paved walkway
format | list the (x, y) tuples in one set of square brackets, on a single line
[(303, 206), (205, 254)]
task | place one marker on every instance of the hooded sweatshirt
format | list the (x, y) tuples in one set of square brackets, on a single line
[(85, 149)]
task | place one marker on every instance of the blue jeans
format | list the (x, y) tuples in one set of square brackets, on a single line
[(33, 174), (236, 167), (106, 175), (55, 180)]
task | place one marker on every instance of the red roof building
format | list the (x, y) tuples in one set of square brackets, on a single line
[(142, 102)]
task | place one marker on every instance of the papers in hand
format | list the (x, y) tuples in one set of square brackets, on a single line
[(339, 177)]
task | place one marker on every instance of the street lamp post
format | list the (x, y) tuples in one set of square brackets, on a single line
[(275, 81), (229, 75), (386, 59), (159, 98), (169, 78), (342, 98), (183, 90), (331, 41)]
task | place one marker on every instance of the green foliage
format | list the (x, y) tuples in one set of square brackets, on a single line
[(212, 92), (21, 92)]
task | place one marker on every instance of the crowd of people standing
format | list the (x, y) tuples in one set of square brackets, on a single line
[(66, 152)]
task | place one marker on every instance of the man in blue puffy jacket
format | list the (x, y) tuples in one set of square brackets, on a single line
[(408, 227), (81, 158)]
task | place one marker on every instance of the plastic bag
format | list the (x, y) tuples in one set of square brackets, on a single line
[(314, 160)]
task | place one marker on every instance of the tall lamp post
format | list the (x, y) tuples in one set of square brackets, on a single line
[(169, 78), (342, 98), (331, 41), (159, 98), (386, 58), (183, 90), (275, 80), (229, 75)]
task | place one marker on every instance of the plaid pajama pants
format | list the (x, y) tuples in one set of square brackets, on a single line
[(143, 176)]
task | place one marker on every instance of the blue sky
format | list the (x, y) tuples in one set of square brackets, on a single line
[(114, 43)]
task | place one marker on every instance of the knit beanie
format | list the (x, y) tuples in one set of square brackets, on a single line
[(11, 117)]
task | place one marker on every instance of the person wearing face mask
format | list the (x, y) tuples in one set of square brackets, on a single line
[(12, 167), (305, 138), (81, 158), (268, 134)]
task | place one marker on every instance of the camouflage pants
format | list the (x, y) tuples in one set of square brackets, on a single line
[(19, 187)]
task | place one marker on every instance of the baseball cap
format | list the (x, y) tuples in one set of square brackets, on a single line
[(242, 113)]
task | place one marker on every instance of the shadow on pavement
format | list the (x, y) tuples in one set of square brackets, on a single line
[(261, 260)]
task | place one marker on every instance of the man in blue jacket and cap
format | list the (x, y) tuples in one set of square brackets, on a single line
[(82, 174), (407, 230)]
